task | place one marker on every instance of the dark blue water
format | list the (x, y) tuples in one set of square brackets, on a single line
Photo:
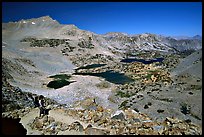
[(111, 76), (142, 60), (91, 66)]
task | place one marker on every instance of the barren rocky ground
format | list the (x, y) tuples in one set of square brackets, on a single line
[(102, 94)]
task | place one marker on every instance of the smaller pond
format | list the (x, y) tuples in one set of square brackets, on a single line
[(60, 76), (91, 66), (111, 76), (60, 80), (129, 60), (58, 84)]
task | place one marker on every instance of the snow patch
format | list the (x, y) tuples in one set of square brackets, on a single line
[(117, 113), (134, 112)]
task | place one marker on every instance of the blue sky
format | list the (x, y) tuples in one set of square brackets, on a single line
[(165, 18)]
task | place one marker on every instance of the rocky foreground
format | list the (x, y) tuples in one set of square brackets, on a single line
[(89, 118), (93, 119)]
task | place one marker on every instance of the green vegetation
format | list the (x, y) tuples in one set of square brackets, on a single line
[(195, 116), (86, 44), (28, 39), (122, 94), (90, 46), (42, 42), (185, 109), (196, 87), (166, 99), (153, 71), (148, 76), (103, 84), (123, 104)]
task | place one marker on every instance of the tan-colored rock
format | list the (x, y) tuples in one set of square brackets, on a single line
[(172, 131), (120, 131), (130, 114), (100, 108), (112, 132), (50, 119), (143, 131), (76, 126), (88, 102), (45, 119), (103, 121), (172, 120), (38, 123), (64, 127), (71, 112), (95, 131), (153, 78), (148, 124), (132, 130), (80, 114)]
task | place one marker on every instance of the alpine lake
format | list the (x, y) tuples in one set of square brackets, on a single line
[(61, 80)]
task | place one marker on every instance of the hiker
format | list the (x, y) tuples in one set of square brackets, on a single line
[(36, 102), (42, 105)]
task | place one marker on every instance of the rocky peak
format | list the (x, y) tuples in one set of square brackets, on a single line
[(46, 18), (197, 37), (115, 34), (35, 20), (42, 19), (148, 36)]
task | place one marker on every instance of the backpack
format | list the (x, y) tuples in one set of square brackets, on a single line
[(42, 103), (36, 102)]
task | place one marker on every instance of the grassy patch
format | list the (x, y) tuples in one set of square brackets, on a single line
[(166, 99), (196, 87), (195, 116), (153, 71), (163, 99), (123, 104), (148, 76), (122, 94), (185, 109), (103, 84)]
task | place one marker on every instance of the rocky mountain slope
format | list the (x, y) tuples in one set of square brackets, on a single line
[(156, 95)]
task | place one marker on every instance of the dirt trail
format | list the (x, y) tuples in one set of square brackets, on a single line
[(58, 115), (29, 117)]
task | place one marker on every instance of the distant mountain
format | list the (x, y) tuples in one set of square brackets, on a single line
[(197, 37), (46, 27), (187, 37)]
